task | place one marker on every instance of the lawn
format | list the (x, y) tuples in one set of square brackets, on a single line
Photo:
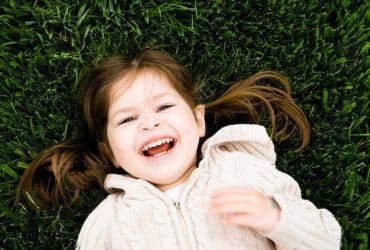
[(322, 47)]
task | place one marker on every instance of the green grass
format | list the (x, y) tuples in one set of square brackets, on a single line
[(323, 49)]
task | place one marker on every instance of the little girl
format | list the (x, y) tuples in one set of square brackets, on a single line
[(175, 182)]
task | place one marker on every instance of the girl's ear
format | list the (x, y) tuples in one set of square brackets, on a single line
[(104, 149), (199, 112)]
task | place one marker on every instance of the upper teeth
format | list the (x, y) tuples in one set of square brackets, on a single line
[(157, 143)]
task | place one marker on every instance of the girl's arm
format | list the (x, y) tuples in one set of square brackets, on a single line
[(273, 206)]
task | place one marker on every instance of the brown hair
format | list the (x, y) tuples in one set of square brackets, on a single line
[(59, 174)]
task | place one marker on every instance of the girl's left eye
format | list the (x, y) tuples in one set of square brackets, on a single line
[(164, 107)]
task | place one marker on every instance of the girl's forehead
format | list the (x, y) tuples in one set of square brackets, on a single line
[(143, 83)]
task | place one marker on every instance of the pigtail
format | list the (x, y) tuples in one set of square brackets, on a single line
[(58, 175), (251, 102)]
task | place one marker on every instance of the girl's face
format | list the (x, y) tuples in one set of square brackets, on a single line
[(152, 131)]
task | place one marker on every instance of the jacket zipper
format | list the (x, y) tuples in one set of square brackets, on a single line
[(185, 234)]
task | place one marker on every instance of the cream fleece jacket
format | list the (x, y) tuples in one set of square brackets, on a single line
[(136, 215)]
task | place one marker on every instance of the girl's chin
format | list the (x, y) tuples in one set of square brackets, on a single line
[(165, 187), (173, 179)]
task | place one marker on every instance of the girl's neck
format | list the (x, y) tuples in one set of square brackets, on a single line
[(179, 181), (174, 193)]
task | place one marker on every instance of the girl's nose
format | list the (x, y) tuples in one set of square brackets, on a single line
[(149, 123)]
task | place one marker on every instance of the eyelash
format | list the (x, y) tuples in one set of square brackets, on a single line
[(160, 109), (126, 120), (164, 107)]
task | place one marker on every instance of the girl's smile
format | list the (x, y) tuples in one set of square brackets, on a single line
[(152, 131), (158, 147)]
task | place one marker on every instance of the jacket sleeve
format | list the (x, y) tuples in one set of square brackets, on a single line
[(302, 225)]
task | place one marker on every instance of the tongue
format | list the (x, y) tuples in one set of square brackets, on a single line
[(159, 149)]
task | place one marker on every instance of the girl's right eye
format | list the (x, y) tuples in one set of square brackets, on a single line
[(127, 120)]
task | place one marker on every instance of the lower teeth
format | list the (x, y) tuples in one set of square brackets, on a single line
[(160, 154)]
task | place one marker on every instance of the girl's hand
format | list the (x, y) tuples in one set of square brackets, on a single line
[(245, 207)]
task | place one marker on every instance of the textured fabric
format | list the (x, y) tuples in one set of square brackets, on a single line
[(136, 215)]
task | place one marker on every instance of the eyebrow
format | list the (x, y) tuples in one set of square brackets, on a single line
[(130, 109)]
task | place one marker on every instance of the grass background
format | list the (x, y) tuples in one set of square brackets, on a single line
[(323, 49)]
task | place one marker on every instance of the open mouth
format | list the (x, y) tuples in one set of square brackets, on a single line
[(159, 147)]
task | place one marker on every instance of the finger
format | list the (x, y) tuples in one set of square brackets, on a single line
[(231, 208), (252, 204), (232, 197), (253, 201), (262, 225), (231, 190), (240, 220)]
